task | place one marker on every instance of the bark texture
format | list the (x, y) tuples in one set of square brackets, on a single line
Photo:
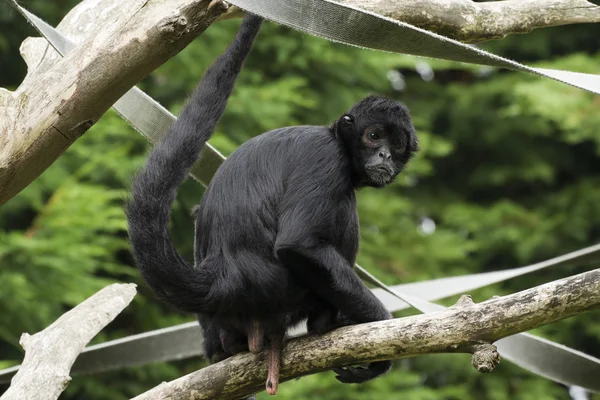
[(465, 327), (61, 98), (49, 354), (471, 22)]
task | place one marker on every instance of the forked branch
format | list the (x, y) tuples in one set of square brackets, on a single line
[(49, 354)]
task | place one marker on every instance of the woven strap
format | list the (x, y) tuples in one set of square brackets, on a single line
[(352, 26)]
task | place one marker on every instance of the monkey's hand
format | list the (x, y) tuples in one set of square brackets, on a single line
[(362, 374)]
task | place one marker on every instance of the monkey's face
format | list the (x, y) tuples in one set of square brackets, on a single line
[(381, 137)]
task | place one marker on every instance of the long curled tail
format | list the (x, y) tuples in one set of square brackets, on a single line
[(155, 187)]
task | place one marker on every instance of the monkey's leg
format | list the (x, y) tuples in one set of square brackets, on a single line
[(232, 340), (274, 361), (213, 348), (256, 337), (322, 318)]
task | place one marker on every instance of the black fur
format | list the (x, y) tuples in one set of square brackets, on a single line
[(277, 228)]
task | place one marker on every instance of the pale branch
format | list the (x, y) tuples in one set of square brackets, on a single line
[(119, 43), (466, 327), (49, 354), (471, 22)]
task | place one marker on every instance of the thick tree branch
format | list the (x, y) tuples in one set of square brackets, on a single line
[(49, 354), (61, 98), (465, 327), (471, 22)]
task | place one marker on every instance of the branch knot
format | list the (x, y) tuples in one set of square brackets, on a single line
[(485, 357)]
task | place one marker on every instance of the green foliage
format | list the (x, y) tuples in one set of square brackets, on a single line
[(508, 172)]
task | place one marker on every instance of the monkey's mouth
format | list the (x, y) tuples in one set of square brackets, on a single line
[(380, 175)]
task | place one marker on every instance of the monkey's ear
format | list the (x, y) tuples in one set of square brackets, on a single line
[(344, 126), (414, 144)]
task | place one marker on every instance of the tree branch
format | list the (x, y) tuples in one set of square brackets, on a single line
[(61, 98), (465, 327), (49, 354), (471, 22)]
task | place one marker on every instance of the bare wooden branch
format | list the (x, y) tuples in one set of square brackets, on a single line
[(49, 354), (61, 98), (471, 22), (466, 327)]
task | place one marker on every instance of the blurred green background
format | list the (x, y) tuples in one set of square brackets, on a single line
[(508, 175)]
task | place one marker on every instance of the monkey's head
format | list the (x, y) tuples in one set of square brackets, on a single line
[(380, 137)]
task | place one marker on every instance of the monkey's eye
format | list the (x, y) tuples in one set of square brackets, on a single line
[(348, 119), (373, 136)]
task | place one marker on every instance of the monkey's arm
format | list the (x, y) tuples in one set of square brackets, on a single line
[(322, 268), (325, 271)]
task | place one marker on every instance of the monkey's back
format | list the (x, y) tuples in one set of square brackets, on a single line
[(237, 219)]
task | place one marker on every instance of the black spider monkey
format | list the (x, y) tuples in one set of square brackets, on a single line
[(276, 231)]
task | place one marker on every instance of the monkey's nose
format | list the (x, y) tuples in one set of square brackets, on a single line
[(385, 155)]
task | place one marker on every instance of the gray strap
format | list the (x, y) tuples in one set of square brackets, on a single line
[(352, 26), (168, 344), (551, 360), (152, 120), (445, 287)]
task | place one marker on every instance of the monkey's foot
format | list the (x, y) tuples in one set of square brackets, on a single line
[(272, 385), (256, 338), (274, 365)]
